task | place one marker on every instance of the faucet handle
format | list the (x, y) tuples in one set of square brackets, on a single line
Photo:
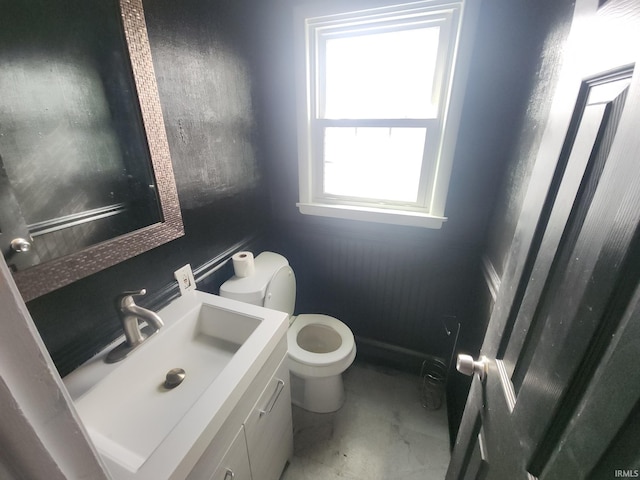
[(133, 293), (124, 296)]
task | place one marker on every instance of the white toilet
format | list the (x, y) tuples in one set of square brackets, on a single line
[(320, 347)]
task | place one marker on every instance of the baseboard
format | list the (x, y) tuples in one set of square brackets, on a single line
[(394, 356)]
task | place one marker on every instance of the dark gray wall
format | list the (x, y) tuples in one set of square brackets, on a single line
[(205, 83), (391, 284), (554, 18)]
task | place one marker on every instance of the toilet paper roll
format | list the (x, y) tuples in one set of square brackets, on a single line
[(243, 264)]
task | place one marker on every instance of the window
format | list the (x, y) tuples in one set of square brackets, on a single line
[(379, 110)]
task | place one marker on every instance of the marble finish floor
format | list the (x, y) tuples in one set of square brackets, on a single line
[(382, 432)]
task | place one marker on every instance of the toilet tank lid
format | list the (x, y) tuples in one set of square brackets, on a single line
[(254, 287)]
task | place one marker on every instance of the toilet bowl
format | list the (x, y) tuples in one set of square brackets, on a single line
[(320, 347)]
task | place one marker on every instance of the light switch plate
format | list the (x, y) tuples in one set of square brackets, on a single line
[(185, 279)]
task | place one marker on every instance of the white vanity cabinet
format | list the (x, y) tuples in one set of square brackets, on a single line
[(235, 463), (268, 428), (256, 440)]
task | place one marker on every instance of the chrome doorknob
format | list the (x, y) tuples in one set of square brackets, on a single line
[(20, 245), (468, 366)]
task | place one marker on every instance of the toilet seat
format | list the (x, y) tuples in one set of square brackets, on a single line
[(305, 357)]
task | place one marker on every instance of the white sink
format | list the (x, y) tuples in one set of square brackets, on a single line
[(144, 430)]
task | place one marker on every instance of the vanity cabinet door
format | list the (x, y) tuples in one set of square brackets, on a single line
[(235, 463), (269, 429)]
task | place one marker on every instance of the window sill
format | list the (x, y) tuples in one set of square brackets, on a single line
[(370, 214)]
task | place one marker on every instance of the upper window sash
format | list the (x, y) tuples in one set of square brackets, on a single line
[(430, 104), (319, 31)]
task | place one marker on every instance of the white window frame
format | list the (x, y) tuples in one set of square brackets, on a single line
[(314, 23)]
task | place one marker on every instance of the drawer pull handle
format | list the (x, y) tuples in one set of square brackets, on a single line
[(274, 398), (229, 475)]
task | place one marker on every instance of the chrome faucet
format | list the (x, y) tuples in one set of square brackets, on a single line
[(130, 315)]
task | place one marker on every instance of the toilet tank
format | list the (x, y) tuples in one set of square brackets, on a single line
[(272, 285)]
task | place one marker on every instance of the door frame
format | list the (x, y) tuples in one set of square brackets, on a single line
[(41, 435)]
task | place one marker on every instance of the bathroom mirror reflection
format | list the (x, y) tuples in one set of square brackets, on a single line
[(85, 173)]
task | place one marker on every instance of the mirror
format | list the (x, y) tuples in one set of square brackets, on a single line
[(85, 173)]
